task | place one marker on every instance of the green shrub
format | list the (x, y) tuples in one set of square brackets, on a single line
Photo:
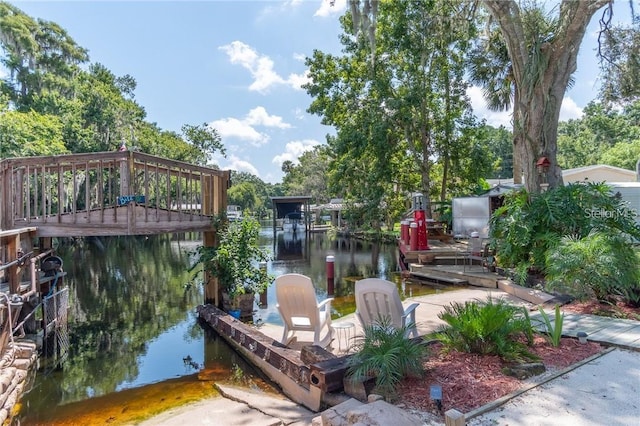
[(386, 354), (599, 265), (528, 225), (491, 327)]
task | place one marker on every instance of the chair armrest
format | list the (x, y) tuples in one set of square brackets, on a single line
[(326, 302), (410, 311)]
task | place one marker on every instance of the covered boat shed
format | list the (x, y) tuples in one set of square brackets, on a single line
[(282, 206)]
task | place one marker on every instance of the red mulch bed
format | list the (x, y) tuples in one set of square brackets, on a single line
[(469, 380), (618, 309)]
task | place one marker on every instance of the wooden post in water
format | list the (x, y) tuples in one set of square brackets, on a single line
[(213, 206), (13, 272)]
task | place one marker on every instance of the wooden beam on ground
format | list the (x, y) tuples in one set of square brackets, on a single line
[(280, 363)]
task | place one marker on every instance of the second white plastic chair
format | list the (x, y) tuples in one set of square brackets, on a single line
[(378, 300)]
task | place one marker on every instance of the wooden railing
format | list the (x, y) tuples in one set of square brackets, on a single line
[(109, 193)]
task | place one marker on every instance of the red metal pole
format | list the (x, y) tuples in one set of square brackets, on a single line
[(330, 262), (413, 245), (404, 231)]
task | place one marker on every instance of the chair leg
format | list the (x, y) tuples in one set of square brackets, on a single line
[(326, 341), (285, 339)]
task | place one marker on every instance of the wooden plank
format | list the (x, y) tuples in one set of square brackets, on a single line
[(18, 231), (284, 359), (439, 278), (328, 375)]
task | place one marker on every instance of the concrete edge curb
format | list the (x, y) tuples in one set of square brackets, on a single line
[(504, 399)]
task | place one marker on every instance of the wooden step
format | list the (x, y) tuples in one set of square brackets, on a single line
[(439, 278)]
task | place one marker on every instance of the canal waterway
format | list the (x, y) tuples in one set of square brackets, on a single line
[(136, 347)]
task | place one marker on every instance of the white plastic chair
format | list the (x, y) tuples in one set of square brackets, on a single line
[(476, 250), (300, 311), (377, 300)]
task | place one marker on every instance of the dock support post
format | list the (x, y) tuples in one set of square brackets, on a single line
[(214, 207)]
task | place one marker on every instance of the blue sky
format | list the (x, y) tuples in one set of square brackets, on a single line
[(237, 65)]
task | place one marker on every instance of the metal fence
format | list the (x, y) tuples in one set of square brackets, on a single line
[(55, 308)]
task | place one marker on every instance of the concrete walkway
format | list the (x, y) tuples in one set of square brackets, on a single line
[(605, 390), (608, 331), (236, 407)]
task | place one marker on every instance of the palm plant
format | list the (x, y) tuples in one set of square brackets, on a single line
[(599, 265), (386, 354), (490, 328)]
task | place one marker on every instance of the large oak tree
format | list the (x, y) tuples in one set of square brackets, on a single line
[(543, 55), (542, 63)]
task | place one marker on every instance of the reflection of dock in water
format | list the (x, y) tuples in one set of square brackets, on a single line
[(290, 246)]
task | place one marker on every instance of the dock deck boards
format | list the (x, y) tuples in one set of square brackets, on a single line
[(439, 278)]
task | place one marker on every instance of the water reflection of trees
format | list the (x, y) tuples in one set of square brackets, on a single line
[(124, 292)]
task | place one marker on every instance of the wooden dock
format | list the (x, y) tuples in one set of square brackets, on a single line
[(472, 275), (109, 193), (439, 252)]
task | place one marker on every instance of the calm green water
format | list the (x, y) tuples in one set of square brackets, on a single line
[(136, 347)]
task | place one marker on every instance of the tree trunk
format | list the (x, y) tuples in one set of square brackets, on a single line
[(542, 73), (426, 170)]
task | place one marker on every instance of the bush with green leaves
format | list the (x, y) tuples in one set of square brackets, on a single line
[(235, 260), (386, 354), (493, 327), (599, 265), (528, 225)]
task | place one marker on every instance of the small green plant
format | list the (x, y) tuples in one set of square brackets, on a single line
[(491, 327), (554, 332), (386, 354), (237, 375)]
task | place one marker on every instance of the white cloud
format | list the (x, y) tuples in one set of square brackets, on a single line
[(300, 113), (299, 57), (259, 117), (331, 7), (297, 80), (568, 110), (493, 118), (244, 129), (237, 164), (293, 150), (261, 68), (240, 129)]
